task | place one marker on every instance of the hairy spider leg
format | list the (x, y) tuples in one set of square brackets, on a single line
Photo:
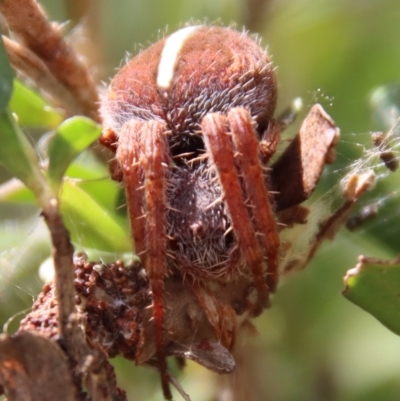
[(246, 143), (142, 153), (129, 153), (218, 143)]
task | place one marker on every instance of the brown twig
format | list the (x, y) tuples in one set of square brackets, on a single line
[(85, 17), (256, 12), (29, 23), (77, 9), (82, 358), (64, 280), (30, 66)]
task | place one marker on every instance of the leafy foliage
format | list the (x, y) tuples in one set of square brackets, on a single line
[(31, 109), (375, 287)]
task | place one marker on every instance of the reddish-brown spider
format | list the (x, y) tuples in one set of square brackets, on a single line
[(191, 121)]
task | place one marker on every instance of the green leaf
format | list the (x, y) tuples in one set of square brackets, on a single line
[(88, 167), (89, 205), (6, 78), (18, 155), (374, 285), (91, 224), (31, 109), (14, 191), (385, 104), (93, 178), (72, 137)]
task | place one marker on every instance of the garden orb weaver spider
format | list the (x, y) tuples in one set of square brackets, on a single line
[(191, 122)]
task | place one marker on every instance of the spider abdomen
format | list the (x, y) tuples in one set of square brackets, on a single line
[(195, 71)]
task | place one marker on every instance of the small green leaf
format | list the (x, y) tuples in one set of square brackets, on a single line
[(374, 286), (6, 78), (18, 155), (72, 137), (385, 104), (91, 224), (93, 178), (14, 191), (31, 109), (88, 167)]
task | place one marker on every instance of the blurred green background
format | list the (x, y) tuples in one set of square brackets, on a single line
[(313, 344)]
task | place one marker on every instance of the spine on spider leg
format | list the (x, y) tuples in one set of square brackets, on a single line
[(155, 149)]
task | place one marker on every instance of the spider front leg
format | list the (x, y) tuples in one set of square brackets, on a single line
[(247, 147), (227, 150), (143, 158)]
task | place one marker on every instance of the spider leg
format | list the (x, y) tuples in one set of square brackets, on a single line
[(129, 153), (247, 147), (219, 145), (142, 154)]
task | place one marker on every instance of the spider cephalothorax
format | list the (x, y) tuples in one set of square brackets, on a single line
[(191, 121)]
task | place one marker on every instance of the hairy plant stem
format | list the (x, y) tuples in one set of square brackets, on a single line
[(29, 23), (32, 67)]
